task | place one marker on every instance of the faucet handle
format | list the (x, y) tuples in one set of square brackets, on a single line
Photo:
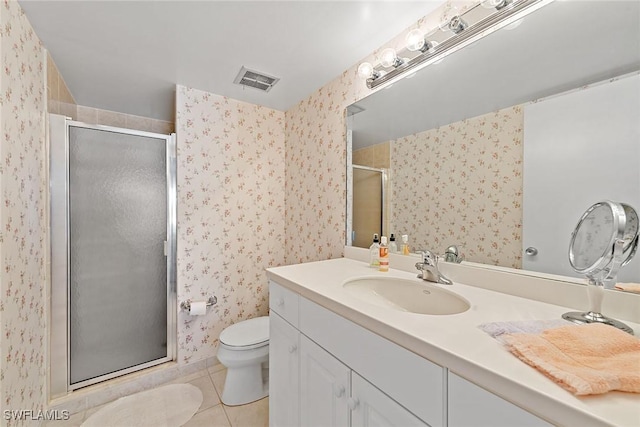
[(453, 255), (429, 258)]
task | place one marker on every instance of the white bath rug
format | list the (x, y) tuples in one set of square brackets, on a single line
[(166, 406)]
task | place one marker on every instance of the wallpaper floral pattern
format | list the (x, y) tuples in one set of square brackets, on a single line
[(242, 175), (316, 175), (231, 212), (316, 156), (22, 214), (469, 176)]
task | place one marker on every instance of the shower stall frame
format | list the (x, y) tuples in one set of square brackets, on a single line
[(59, 343)]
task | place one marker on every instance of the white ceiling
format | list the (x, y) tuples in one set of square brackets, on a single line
[(127, 56)]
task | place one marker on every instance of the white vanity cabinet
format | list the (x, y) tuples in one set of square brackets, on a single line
[(328, 371), (324, 387), (284, 362), (330, 392), (373, 408), (473, 406), (310, 386)]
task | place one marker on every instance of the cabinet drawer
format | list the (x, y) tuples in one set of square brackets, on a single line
[(412, 381), (374, 408), (471, 405), (284, 302)]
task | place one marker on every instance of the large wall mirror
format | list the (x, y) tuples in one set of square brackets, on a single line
[(502, 145)]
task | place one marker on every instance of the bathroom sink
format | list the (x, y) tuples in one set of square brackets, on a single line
[(406, 295)]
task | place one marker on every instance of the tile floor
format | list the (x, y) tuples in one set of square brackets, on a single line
[(212, 412)]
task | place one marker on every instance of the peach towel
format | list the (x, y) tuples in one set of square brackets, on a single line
[(586, 359), (629, 287)]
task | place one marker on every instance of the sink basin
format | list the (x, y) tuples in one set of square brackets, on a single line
[(406, 295)]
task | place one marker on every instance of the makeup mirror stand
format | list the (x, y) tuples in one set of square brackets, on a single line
[(605, 239)]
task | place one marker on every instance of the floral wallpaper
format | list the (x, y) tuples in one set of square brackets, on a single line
[(316, 155), (470, 178), (231, 209), (316, 175), (22, 214), (252, 194)]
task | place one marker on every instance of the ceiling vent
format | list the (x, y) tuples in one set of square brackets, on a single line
[(255, 79)]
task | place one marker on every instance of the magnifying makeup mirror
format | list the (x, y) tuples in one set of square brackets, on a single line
[(605, 239)]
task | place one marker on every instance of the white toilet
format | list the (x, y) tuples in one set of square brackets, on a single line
[(244, 350)]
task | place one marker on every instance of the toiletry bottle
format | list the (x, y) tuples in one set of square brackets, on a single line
[(393, 247), (384, 255), (374, 252), (405, 244)]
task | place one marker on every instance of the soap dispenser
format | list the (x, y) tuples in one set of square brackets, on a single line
[(405, 245), (384, 255), (374, 252), (393, 246)]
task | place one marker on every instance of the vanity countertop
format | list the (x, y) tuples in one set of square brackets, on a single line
[(456, 342)]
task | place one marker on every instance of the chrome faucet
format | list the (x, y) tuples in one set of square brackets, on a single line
[(429, 269), (453, 255)]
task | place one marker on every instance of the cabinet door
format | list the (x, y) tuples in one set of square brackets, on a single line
[(324, 387), (284, 373), (372, 408), (473, 406)]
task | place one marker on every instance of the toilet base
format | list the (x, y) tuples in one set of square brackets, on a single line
[(245, 385)]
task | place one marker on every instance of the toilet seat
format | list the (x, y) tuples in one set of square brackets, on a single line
[(247, 334)]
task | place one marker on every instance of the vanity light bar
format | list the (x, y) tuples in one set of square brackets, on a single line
[(502, 17)]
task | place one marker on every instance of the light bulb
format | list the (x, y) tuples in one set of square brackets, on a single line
[(415, 40), (457, 24), (365, 70), (451, 13), (388, 58)]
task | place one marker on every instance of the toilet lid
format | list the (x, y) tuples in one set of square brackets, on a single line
[(245, 333)]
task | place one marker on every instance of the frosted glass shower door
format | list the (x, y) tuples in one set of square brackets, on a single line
[(368, 205), (118, 288)]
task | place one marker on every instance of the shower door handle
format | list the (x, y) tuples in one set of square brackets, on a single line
[(166, 248)]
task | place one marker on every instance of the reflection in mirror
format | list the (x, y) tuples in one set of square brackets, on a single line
[(504, 143), (369, 195)]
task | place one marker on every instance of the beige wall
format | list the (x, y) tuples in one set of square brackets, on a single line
[(22, 215), (59, 98), (61, 101), (472, 170), (375, 156), (128, 121), (316, 157), (298, 184), (230, 212)]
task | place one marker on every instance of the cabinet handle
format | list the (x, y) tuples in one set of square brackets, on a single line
[(280, 302), (338, 391), (293, 348), (353, 403)]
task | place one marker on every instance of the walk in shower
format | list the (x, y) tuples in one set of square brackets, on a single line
[(113, 252), (369, 203)]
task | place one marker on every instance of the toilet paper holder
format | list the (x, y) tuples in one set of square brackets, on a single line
[(186, 305)]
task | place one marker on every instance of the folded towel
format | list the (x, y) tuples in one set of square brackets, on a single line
[(628, 287), (498, 329), (586, 359)]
